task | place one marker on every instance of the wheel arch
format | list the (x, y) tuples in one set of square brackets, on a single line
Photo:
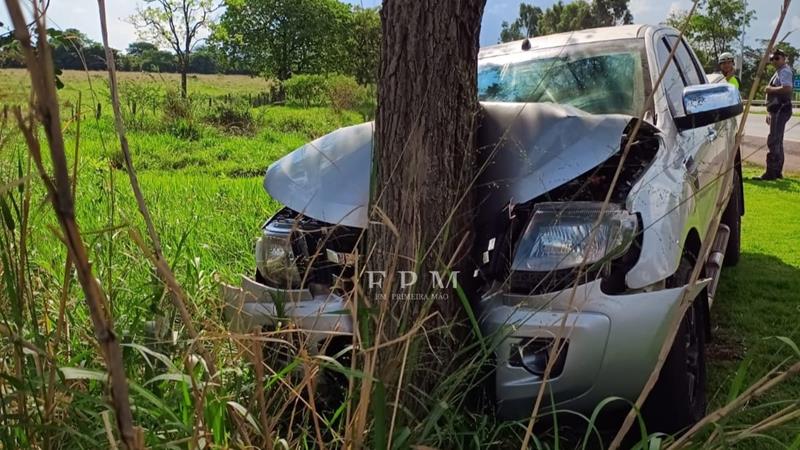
[(691, 247)]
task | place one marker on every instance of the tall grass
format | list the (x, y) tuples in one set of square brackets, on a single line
[(265, 389)]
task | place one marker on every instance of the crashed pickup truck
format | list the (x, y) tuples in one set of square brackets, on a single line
[(557, 113)]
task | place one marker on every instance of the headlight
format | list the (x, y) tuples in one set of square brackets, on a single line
[(276, 261), (559, 236)]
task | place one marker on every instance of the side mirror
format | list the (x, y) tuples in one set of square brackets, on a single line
[(708, 103)]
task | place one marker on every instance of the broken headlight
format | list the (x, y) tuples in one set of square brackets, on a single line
[(563, 235), (275, 259)]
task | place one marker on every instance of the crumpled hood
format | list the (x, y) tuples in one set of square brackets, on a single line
[(525, 150), (328, 178)]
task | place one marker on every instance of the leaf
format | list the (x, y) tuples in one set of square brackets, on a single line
[(738, 380), (79, 373), (160, 356), (7, 217), (462, 297), (149, 396), (244, 413), (379, 408), (790, 343), (170, 377), (401, 438), (431, 421)]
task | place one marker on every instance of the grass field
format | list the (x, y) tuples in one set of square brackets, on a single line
[(204, 190), (15, 84)]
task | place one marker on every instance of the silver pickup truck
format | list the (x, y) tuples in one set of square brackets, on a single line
[(556, 113)]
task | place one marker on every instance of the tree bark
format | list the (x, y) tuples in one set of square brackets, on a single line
[(424, 160), (184, 69)]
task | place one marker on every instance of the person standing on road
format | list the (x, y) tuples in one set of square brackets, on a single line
[(728, 68), (779, 110)]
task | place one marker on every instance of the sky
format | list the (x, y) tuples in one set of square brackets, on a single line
[(82, 14)]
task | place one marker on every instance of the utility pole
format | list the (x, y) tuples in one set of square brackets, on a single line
[(741, 55)]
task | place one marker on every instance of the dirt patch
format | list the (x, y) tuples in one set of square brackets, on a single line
[(725, 346)]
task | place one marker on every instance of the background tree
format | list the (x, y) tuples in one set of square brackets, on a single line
[(526, 25), (423, 163), (752, 56), (73, 50), (714, 28), (177, 24), (573, 16), (511, 31), (146, 57), (282, 37), (364, 44), (205, 59), (560, 17), (611, 12)]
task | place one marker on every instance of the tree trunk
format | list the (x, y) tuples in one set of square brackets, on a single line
[(184, 69), (423, 165)]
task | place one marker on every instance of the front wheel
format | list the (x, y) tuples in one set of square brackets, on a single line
[(678, 399)]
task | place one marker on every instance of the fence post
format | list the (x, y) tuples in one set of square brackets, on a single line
[(98, 112)]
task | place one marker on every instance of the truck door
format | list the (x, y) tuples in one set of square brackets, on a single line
[(700, 147)]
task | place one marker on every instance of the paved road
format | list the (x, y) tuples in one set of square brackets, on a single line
[(756, 126), (754, 142)]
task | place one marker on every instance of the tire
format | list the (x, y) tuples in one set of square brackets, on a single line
[(732, 217), (678, 400)]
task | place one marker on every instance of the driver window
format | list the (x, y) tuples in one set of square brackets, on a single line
[(673, 82)]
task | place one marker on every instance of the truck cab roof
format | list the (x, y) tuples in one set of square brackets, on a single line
[(590, 35)]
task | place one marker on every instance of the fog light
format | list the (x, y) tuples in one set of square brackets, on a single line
[(533, 354)]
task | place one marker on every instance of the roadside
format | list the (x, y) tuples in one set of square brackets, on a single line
[(754, 142), (763, 110)]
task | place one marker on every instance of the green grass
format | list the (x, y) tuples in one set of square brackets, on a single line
[(205, 194), (203, 185), (15, 84), (759, 299)]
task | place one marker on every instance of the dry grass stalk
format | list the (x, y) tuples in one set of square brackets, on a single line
[(560, 339), (45, 104), (757, 389), (174, 287), (177, 294), (708, 240)]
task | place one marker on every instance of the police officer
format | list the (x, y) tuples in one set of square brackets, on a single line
[(779, 110), (728, 68)]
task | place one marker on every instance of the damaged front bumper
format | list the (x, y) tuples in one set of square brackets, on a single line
[(256, 307), (612, 341), (612, 344)]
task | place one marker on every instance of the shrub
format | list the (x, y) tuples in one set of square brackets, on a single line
[(309, 123), (184, 129), (139, 102), (179, 116), (306, 90), (343, 92), (176, 107), (340, 92), (236, 117)]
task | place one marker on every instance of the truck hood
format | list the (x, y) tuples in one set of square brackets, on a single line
[(525, 150)]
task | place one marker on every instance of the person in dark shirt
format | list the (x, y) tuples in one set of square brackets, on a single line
[(779, 110)]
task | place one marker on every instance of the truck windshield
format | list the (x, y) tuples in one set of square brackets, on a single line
[(601, 78)]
